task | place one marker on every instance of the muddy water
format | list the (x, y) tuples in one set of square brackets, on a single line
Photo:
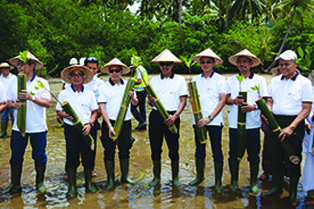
[(140, 195)]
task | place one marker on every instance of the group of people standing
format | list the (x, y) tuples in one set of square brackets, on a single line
[(289, 96)]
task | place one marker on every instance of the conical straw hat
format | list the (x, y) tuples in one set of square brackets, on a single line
[(245, 53), (166, 56), (66, 72), (39, 65), (6, 65), (207, 53), (115, 61)]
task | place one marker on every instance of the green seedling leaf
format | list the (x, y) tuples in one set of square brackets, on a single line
[(300, 51), (40, 84), (31, 93), (36, 87), (135, 61), (23, 56), (240, 78)]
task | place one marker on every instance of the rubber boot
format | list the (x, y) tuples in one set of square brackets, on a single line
[(156, 172), (88, 180), (109, 165), (175, 173), (200, 168), (124, 166), (218, 176), (71, 181), (40, 175), (4, 126), (277, 185), (234, 171), (15, 186), (293, 191), (253, 178)]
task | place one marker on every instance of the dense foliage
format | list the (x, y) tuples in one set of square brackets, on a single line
[(55, 31)]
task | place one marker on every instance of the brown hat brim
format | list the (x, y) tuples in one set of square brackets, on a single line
[(66, 72), (115, 61)]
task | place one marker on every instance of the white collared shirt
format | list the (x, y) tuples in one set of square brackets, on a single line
[(94, 85), (8, 81), (83, 103), (35, 114), (253, 119), (112, 95), (288, 95), (209, 90), (169, 90), (3, 96)]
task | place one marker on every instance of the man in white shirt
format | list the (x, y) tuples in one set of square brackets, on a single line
[(7, 79), (36, 126), (245, 60), (171, 90), (290, 100)]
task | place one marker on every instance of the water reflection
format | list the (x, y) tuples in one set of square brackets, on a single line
[(140, 195)]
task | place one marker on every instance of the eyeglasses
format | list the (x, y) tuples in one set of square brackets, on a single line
[(165, 63), (92, 59), (20, 64), (208, 62), (115, 70), (77, 75), (243, 61)]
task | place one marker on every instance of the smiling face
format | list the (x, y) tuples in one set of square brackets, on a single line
[(5, 71), (244, 65), (77, 77), (93, 67), (287, 67), (207, 64), (166, 68), (115, 73)]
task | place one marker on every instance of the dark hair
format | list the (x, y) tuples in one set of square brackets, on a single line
[(207, 57), (91, 60), (245, 57), (31, 62), (70, 74)]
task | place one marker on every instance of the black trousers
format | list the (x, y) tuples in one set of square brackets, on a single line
[(124, 141), (277, 153), (157, 130), (140, 116)]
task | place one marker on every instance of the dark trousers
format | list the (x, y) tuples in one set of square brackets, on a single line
[(93, 133), (18, 145), (157, 130), (140, 116), (76, 146), (215, 141), (253, 145), (277, 153), (124, 141)]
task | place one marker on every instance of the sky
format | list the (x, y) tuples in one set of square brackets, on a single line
[(134, 7)]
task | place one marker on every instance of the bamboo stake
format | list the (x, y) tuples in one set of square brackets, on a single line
[(21, 112), (241, 133), (123, 109), (197, 112), (277, 131)]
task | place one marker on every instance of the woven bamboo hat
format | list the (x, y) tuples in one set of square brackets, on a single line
[(6, 65), (207, 53), (39, 64), (245, 53), (66, 72), (166, 56), (115, 61)]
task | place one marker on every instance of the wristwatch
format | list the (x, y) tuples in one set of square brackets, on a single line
[(33, 98), (91, 123), (210, 118), (178, 116), (256, 107), (292, 127)]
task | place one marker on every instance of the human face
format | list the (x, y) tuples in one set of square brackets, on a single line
[(77, 77), (24, 68), (5, 71), (93, 67), (115, 73), (166, 68), (287, 67), (244, 65), (207, 64)]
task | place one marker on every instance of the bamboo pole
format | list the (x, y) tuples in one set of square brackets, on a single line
[(277, 130), (78, 124), (21, 112), (197, 112), (160, 108), (241, 132), (123, 109)]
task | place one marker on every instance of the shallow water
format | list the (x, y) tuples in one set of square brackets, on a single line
[(140, 195)]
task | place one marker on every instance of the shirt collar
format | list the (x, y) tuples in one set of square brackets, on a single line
[(75, 90), (171, 76), (112, 83), (211, 75), (251, 76), (293, 78), (33, 78)]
